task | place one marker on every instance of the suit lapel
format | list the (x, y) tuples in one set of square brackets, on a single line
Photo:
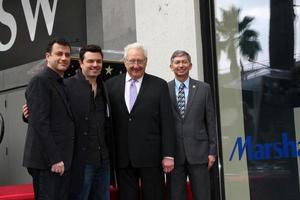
[(121, 91), (53, 80), (106, 99), (141, 93), (62, 93), (192, 91)]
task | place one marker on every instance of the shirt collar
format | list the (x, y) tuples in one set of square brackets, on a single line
[(128, 78), (186, 83), (53, 74)]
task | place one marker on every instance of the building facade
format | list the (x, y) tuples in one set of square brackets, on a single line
[(249, 51)]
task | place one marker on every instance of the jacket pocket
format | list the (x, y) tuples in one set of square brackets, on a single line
[(201, 135)]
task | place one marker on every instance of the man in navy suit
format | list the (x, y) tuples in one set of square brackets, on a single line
[(143, 128), (50, 136), (195, 128)]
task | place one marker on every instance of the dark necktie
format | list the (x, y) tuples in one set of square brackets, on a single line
[(181, 100)]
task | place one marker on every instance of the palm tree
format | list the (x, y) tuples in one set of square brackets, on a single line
[(232, 34)]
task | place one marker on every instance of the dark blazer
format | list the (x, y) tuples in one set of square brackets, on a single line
[(146, 135), (79, 91), (196, 133), (50, 134)]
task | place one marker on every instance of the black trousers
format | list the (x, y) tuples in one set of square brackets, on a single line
[(199, 179), (48, 185), (149, 179)]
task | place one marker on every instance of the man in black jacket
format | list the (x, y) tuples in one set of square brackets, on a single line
[(89, 103), (50, 135)]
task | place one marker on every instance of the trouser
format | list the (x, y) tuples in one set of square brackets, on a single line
[(199, 179), (48, 185), (96, 183), (151, 179)]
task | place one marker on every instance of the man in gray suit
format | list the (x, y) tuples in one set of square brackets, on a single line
[(196, 131)]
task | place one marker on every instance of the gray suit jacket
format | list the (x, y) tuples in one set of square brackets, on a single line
[(196, 133)]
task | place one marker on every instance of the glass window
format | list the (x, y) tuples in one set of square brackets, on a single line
[(258, 51)]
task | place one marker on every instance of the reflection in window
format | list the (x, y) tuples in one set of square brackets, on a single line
[(235, 37), (258, 49)]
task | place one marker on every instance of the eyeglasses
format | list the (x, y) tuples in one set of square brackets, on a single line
[(139, 62)]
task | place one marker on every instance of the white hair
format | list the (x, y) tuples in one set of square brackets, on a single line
[(135, 46)]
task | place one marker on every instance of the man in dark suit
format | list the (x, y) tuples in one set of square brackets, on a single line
[(143, 127), (195, 128), (93, 144), (50, 135)]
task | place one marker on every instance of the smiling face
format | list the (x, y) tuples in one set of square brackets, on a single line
[(181, 67), (59, 58), (91, 65), (135, 63)]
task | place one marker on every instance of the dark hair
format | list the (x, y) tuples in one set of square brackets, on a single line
[(60, 41), (89, 48), (179, 53)]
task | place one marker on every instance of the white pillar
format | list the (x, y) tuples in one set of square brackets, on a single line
[(164, 26)]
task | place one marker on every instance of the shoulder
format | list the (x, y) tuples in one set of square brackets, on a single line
[(40, 78), (72, 85), (172, 82), (40, 83), (70, 80), (115, 79), (154, 83), (154, 79), (200, 83), (104, 85)]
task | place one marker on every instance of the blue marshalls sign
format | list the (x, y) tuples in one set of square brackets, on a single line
[(284, 148)]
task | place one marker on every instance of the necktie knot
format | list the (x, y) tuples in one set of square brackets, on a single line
[(132, 81), (181, 87)]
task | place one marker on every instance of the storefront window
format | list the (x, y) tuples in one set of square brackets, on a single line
[(258, 51)]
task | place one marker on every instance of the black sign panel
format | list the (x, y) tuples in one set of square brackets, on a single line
[(26, 26), (109, 69)]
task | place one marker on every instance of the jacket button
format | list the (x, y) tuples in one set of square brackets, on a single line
[(99, 148), (83, 148), (84, 133), (86, 118), (130, 119)]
